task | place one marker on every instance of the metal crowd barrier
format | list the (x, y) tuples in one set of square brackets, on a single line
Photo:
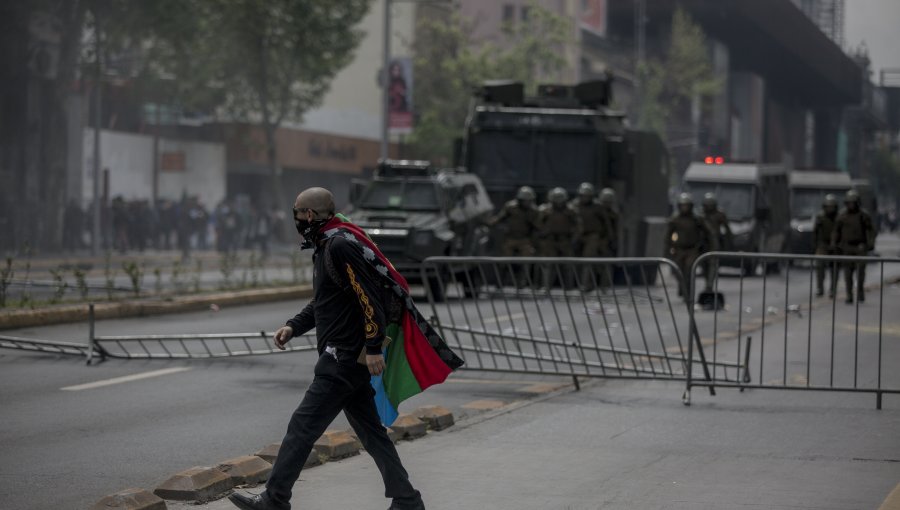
[(44, 346), (797, 339), (578, 317)]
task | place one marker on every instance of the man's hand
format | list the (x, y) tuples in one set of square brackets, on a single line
[(283, 336), (375, 362)]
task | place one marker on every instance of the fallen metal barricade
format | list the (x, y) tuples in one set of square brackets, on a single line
[(190, 346), (44, 346), (579, 317), (797, 339)]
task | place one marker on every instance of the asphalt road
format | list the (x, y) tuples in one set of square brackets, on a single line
[(103, 438), (86, 443)]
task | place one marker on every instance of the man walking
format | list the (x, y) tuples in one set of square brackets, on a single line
[(350, 310)]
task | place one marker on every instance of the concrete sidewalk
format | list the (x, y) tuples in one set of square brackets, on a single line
[(633, 445)]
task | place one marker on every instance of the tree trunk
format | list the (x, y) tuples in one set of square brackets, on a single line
[(56, 118)]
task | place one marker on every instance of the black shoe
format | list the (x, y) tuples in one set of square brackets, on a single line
[(257, 502), (413, 503), (861, 298), (819, 293), (849, 300)]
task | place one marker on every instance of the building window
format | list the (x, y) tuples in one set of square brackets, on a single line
[(509, 12), (524, 12)]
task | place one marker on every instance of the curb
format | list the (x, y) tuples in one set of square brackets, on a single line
[(140, 308), (892, 502), (199, 485)]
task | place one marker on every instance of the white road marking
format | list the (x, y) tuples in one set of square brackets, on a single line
[(125, 378)]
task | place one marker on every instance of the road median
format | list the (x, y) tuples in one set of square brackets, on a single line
[(60, 314)]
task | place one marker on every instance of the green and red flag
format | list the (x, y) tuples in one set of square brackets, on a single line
[(417, 357)]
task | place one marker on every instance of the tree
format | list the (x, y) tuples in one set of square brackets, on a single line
[(449, 65), (684, 74), (263, 62)]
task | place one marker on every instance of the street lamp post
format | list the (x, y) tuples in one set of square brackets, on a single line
[(385, 92)]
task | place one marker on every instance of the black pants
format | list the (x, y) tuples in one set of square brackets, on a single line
[(339, 385)]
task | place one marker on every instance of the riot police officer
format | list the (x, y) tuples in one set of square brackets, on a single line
[(854, 235), (594, 240), (718, 225), (687, 237), (559, 226), (822, 230), (608, 206), (519, 217)]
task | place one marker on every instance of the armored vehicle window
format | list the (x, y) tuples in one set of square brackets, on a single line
[(806, 202), (735, 199), (410, 195), (534, 157)]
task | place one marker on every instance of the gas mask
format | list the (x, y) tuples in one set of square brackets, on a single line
[(309, 230)]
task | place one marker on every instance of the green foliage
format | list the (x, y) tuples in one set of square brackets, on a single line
[(81, 282), (59, 284), (26, 299), (177, 273), (6, 276), (226, 267), (109, 275), (449, 66), (135, 274), (198, 272), (685, 72), (297, 266)]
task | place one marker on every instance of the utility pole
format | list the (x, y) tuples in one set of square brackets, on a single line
[(156, 156), (640, 35), (385, 80), (95, 230)]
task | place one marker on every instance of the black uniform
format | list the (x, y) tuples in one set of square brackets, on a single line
[(348, 314)]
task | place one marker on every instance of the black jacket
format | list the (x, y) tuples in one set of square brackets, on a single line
[(348, 307)]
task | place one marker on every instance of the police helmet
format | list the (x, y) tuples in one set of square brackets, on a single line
[(685, 199), (526, 193), (557, 196), (830, 201), (607, 196), (586, 189), (709, 200), (852, 197)]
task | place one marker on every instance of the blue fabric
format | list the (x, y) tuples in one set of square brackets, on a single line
[(386, 411)]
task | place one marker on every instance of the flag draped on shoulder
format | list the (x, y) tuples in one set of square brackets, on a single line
[(417, 357)]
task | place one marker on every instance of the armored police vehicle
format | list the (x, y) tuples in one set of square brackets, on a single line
[(755, 199), (414, 211), (564, 136), (808, 190)]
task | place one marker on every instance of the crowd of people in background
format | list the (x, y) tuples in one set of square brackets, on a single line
[(184, 225)]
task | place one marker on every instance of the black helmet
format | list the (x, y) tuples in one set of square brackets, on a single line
[(852, 197), (709, 200), (586, 189), (686, 199), (830, 201)]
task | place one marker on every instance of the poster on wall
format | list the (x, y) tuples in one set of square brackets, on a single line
[(400, 94), (593, 17)]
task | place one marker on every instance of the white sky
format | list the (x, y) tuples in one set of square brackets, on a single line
[(877, 22)]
